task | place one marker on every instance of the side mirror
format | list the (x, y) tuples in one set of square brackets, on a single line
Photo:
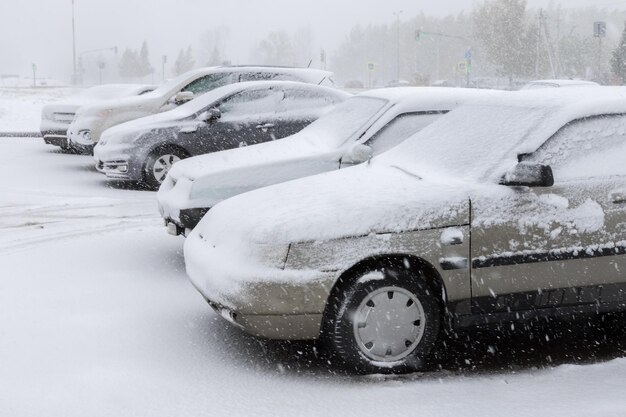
[(357, 154), (526, 174), (183, 97), (210, 116)]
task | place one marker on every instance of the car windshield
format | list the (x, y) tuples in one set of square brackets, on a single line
[(343, 122), (468, 143)]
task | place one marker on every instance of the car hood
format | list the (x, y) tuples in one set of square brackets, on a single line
[(135, 127), (147, 101), (231, 160), (370, 198)]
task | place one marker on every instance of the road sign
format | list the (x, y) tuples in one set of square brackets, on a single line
[(599, 29), (371, 66), (462, 67)]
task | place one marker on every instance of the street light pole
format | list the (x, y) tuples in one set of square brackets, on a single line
[(397, 15), (75, 74)]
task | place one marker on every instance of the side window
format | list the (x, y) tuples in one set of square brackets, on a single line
[(592, 147), (400, 129), (251, 103), (297, 100), (208, 82)]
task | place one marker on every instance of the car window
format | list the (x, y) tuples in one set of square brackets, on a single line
[(304, 99), (592, 147), (251, 103), (400, 129), (208, 82)]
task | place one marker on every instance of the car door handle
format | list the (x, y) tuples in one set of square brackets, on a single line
[(265, 126), (618, 196)]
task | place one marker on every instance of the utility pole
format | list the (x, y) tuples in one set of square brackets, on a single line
[(163, 62), (599, 31), (75, 74), (397, 15)]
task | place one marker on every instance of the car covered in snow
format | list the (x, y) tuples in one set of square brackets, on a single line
[(362, 126), (505, 211), (91, 121), (233, 116), (57, 117)]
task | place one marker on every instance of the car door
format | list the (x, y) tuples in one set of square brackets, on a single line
[(242, 121), (300, 108), (560, 246)]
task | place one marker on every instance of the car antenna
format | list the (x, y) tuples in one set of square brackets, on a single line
[(310, 63)]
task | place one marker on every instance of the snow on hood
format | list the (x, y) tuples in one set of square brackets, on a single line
[(95, 95), (352, 202), (247, 157)]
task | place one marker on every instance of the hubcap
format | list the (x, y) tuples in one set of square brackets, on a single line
[(388, 324), (162, 166)]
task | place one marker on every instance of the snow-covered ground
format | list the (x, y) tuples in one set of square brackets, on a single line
[(20, 108), (97, 318)]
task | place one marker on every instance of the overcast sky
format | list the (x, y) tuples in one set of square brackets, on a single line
[(40, 30)]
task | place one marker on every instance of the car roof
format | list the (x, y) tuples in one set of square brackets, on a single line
[(434, 98), (309, 75)]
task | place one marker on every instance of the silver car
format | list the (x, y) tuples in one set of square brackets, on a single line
[(508, 210), (365, 125)]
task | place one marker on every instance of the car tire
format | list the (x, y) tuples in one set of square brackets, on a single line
[(386, 321), (159, 163)]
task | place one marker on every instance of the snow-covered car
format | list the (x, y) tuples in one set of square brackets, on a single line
[(558, 84), (91, 121), (233, 116), (364, 125), (57, 117), (506, 211)]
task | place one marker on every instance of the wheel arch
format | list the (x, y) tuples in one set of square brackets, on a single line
[(419, 266)]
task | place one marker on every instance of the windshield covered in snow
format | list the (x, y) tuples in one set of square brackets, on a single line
[(198, 86), (344, 121), (467, 143)]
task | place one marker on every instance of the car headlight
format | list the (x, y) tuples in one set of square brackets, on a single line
[(86, 135), (271, 254)]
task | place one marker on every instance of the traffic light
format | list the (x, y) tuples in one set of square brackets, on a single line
[(418, 35)]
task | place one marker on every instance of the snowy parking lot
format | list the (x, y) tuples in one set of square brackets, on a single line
[(99, 319)]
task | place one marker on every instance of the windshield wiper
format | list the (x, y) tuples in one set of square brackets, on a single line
[(409, 173)]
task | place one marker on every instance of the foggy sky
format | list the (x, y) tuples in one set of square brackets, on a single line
[(39, 31)]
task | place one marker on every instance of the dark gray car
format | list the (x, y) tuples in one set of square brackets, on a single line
[(233, 116)]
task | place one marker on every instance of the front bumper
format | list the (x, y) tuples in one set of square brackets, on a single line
[(119, 161), (276, 327), (78, 148), (56, 138), (189, 219), (264, 301)]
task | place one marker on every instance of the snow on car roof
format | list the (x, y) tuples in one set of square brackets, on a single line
[(426, 93), (558, 83)]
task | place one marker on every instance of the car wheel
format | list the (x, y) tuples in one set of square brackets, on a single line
[(386, 321), (159, 164)]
